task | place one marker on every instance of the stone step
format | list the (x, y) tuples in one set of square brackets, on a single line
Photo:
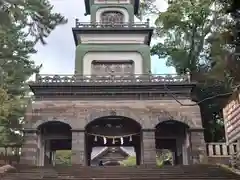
[(193, 172)]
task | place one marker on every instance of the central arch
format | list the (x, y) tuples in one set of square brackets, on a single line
[(123, 112), (112, 131), (148, 118)]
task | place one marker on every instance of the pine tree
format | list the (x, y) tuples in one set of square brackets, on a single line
[(36, 15), (20, 20)]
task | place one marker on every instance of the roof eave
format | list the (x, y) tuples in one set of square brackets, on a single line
[(87, 7)]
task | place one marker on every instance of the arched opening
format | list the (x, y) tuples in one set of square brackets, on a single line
[(53, 136), (112, 18), (172, 142), (112, 163), (112, 132)]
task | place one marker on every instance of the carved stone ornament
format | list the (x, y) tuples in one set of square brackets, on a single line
[(113, 113), (105, 79)]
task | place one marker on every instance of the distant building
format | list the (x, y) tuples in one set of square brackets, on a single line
[(111, 155)]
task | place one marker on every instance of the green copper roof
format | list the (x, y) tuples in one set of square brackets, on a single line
[(88, 4)]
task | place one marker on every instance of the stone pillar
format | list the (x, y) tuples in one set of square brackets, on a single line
[(148, 147), (78, 147), (29, 151), (198, 146), (47, 153), (137, 149), (53, 158)]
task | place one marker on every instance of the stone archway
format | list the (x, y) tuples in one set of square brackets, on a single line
[(128, 113), (165, 115), (113, 130), (147, 119), (54, 119)]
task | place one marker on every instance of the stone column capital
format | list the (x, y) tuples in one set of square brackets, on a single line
[(78, 130), (148, 130)]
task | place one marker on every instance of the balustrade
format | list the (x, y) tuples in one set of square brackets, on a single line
[(79, 24), (157, 78), (221, 149)]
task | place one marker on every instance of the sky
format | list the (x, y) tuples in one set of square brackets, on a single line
[(58, 55)]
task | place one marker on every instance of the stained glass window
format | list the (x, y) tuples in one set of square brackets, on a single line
[(112, 68), (112, 17)]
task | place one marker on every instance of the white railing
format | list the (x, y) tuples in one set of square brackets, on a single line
[(221, 149)]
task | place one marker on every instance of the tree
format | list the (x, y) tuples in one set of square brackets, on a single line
[(192, 33), (185, 27), (5, 107), (19, 21), (148, 7), (16, 68), (63, 157), (130, 161), (36, 15)]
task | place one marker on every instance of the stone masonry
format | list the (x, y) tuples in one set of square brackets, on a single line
[(147, 113)]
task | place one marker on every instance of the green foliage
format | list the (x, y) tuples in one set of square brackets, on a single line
[(185, 28), (163, 156), (147, 7), (130, 161), (211, 111), (63, 157), (36, 15), (196, 38), (22, 24)]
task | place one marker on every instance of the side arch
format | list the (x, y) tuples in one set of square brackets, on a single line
[(42, 121), (165, 115), (94, 114)]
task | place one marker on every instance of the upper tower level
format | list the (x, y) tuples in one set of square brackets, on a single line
[(112, 22), (112, 11)]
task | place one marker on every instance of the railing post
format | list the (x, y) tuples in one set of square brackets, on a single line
[(37, 77), (148, 22), (113, 78), (188, 77), (77, 23)]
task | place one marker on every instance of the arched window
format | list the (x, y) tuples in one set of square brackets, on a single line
[(112, 17)]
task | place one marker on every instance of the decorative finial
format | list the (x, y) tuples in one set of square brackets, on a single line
[(188, 75), (76, 22), (148, 22)]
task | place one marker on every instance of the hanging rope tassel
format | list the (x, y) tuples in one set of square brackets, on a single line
[(95, 139), (130, 138), (121, 140), (104, 140)]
